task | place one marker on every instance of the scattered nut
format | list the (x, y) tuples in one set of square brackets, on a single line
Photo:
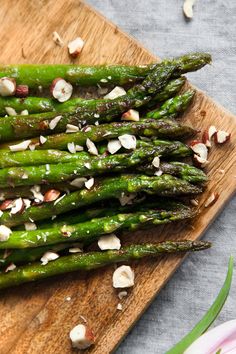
[(70, 128), (48, 256), (89, 183), (57, 39), (123, 277), (208, 134), (126, 199), (128, 141), (10, 111), (42, 139), (131, 115), (7, 86), (212, 199), (38, 197), (18, 206), (188, 8), (71, 148), (82, 337), (53, 123), (78, 182), (158, 173), (21, 146), (119, 307), (116, 92), (25, 112), (91, 147), (75, 47), (22, 91), (122, 294), (7, 204), (4, 233), (156, 162), (61, 90), (194, 202), (109, 242), (30, 226), (75, 250), (113, 146), (51, 195), (11, 266), (221, 137), (201, 152)]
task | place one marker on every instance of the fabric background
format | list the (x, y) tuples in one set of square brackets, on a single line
[(161, 27)]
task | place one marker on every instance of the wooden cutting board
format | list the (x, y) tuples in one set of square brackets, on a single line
[(37, 318)]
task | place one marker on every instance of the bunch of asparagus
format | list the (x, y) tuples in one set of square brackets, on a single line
[(73, 171)]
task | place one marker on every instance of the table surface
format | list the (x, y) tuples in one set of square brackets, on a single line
[(161, 27)]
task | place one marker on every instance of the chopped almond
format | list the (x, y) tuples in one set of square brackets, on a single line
[(7, 86), (212, 199), (61, 90), (82, 337), (221, 137), (131, 115), (51, 195), (123, 277), (75, 47)]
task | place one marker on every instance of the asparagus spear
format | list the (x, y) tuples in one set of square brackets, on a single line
[(182, 170), (33, 125), (109, 209), (44, 174), (93, 260), (170, 90), (21, 256), (43, 104), (173, 106), (82, 75), (43, 75), (165, 128), (34, 158), (90, 230), (181, 150), (103, 189)]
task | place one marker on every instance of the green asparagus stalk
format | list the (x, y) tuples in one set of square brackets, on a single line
[(165, 128), (182, 170), (43, 104), (44, 174), (22, 256), (83, 75), (168, 149), (90, 230), (103, 189), (109, 209), (170, 90), (93, 260), (33, 125), (36, 157), (173, 106), (181, 150)]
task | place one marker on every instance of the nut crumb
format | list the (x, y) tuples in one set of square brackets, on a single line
[(122, 294), (119, 307)]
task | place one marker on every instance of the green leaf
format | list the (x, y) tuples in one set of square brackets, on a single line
[(209, 317)]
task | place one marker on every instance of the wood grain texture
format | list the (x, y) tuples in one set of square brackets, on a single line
[(36, 318)]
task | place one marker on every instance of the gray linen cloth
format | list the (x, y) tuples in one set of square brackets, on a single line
[(161, 27)]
